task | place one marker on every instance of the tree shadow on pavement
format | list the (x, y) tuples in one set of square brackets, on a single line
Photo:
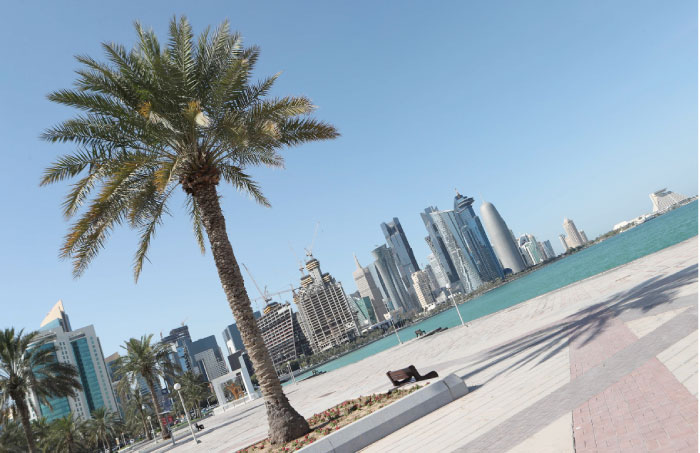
[(585, 325)]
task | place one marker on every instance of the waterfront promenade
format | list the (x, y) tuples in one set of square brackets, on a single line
[(606, 364)]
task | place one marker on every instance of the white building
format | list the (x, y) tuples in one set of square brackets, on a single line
[(573, 237), (421, 284), (665, 199)]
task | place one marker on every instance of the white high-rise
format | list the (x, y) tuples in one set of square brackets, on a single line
[(665, 199), (421, 284), (573, 237)]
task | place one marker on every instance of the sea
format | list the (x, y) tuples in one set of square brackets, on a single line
[(654, 235)]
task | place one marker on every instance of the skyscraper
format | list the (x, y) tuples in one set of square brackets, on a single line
[(80, 348), (208, 357), (421, 284), (232, 339), (458, 250), (548, 248), (475, 237), (437, 246), (326, 318), (584, 238), (573, 237), (663, 199), (501, 238), (393, 283), (530, 251), (368, 288), (282, 333), (564, 243), (440, 276), (397, 241)]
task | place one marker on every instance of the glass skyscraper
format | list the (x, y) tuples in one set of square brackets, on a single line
[(437, 246), (397, 241), (80, 348), (475, 237)]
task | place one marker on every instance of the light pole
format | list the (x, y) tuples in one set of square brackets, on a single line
[(291, 373), (177, 387), (455, 303), (391, 319), (153, 433)]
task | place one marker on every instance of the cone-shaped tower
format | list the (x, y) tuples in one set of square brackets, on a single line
[(501, 239)]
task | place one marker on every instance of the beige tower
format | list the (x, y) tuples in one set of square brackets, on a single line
[(573, 237)]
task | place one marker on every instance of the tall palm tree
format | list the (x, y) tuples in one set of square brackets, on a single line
[(186, 114), (28, 364), (136, 407), (149, 362), (102, 427), (67, 435)]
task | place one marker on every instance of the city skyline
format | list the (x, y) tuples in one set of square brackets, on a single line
[(618, 95)]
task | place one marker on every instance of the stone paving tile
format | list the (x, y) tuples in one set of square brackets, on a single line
[(647, 410)]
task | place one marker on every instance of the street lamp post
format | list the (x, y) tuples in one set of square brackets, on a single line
[(291, 373), (153, 433), (455, 304), (177, 387)]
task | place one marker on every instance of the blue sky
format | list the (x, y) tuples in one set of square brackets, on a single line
[(546, 109)]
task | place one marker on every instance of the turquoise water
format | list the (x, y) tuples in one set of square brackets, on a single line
[(652, 236)]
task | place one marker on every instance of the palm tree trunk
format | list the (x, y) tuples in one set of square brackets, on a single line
[(145, 425), (156, 407), (284, 422), (26, 424)]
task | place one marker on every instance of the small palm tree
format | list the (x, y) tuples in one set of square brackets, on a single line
[(67, 435), (12, 437), (102, 427), (27, 364), (149, 362), (41, 429), (183, 115), (194, 390)]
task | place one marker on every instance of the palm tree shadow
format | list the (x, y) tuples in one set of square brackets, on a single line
[(585, 325)]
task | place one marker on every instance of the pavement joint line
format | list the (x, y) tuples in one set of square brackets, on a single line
[(568, 397)]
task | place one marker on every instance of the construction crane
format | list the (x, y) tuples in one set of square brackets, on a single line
[(262, 294), (268, 296), (311, 247)]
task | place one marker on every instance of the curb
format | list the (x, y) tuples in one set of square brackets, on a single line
[(386, 420)]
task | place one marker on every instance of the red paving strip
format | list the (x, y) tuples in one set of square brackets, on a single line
[(647, 410)]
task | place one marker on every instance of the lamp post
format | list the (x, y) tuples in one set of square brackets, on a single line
[(291, 373), (153, 433), (177, 387), (455, 304)]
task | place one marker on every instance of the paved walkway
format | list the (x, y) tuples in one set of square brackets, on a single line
[(606, 364)]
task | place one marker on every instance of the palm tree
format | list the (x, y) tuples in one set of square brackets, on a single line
[(67, 435), (136, 406), (149, 362), (12, 437), (186, 114), (41, 429), (193, 390), (103, 427), (27, 364)]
